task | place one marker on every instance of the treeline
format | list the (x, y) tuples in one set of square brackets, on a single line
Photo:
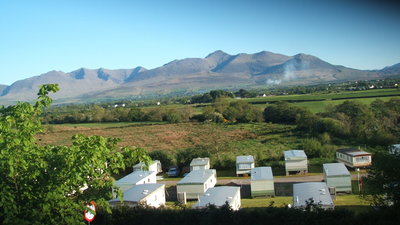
[(374, 124), (216, 94), (97, 114), (223, 110), (254, 216)]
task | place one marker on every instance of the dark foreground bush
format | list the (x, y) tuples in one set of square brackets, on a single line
[(253, 216)]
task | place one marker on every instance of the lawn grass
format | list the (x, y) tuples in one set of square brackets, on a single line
[(278, 201)]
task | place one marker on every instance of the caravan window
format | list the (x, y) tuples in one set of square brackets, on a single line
[(244, 166)]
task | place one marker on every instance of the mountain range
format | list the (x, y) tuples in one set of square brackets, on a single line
[(190, 75)]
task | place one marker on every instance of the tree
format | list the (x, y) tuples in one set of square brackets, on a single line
[(383, 180), (51, 184)]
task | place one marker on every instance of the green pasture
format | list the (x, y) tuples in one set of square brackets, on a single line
[(320, 106), (328, 96)]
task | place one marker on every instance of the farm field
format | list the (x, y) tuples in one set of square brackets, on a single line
[(265, 138)]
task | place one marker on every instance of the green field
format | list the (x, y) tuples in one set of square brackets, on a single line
[(328, 96), (320, 106), (318, 102)]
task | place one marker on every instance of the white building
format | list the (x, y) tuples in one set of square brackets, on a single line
[(147, 194), (136, 178), (200, 164), (317, 191), (338, 176), (354, 158), (244, 164), (196, 183), (155, 166), (219, 196), (262, 182), (295, 161)]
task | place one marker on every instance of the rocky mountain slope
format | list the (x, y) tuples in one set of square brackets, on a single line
[(217, 70)]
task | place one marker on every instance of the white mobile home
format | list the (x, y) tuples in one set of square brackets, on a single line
[(317, 191), (196, 183), (295, 161), (136, 178), (219, 196), (155, 166), (354, 158), (262, 182), (147, 194), (200, 164), (394, 149), (244, 164), (336, 175)]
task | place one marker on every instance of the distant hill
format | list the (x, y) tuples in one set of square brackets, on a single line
[(391, 70), (217, 70)]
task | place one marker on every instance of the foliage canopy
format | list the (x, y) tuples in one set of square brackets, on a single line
[(51, 184)]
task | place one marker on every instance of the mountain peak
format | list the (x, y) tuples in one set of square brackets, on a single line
[(218, 53)]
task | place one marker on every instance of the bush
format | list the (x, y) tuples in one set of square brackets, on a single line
[(283, 112), (312, 147)]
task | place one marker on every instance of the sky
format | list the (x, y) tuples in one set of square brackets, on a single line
[(65, 35)]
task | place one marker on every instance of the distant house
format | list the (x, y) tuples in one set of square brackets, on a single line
[(394, 149), (262, 182), (219, 196), (155, 166), (200, 164), (196, 183), (354, 158), (336, 175), (136, 178), (147, 194), (317, 191), (244, 164), (295, 162)]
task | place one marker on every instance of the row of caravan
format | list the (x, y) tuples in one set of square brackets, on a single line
[(140, 187)]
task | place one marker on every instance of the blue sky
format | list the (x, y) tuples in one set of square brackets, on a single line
[(39, 36)]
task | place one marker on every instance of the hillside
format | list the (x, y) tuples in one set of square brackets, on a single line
[(217, 70)]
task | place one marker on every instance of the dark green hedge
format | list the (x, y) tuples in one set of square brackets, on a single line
[(254, 216)]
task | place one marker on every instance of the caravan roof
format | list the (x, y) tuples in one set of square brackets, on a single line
[(138, 192), (218, 196), (353, 152), (335, 169), (134, 177), (200, 161), (197, 176), (261, 173), (244, 159), (318, 191), (294, 154)]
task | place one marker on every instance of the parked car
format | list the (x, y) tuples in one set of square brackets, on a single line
[(173, 171)]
